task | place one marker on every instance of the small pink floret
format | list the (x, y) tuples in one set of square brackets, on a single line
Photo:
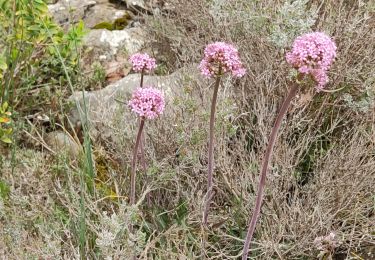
[(221, 55), (147, 102), (313, 53), (142, 61)]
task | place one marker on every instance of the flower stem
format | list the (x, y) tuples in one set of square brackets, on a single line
[(134, 162), (142, 144), (211, 152), (265, 163), (143, 160), (142, 74)]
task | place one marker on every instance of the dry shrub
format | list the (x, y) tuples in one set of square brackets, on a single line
[(322, 174)]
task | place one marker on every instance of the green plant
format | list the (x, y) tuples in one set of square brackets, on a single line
[(5, 120), (99, 74), (4, 190), (87, 174), (28, 59), (292, 19), (161, 69)]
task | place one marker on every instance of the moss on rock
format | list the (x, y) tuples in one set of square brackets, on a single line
[(118, 24)]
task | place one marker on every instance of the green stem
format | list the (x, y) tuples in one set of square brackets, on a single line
[(211, 152), (266, 159)]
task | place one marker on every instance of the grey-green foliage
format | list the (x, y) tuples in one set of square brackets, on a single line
[(218, 11), (114, 231), (293, 18), (364, 103), (290, 20)]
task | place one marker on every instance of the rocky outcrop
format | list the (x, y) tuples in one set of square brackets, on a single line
[(107, 110), (92, 12), (111, 42), (66, 12), (59, 141), (148, 6), (112, 49)]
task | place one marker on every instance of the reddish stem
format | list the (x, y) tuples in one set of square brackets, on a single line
[(142, 145), (266, 159), (134, 161), (143, 160), (211, 153), (142, 74)]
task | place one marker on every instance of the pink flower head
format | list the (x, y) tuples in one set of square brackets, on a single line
[(147, 102), (313, 53), (142, 62), (224, 56)]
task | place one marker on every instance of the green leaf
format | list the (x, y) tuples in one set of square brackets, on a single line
[(4, 190), (8, 131), (5, 106), (34, 27), (6, 139), (3, 64), (4, 120), (41, 6)]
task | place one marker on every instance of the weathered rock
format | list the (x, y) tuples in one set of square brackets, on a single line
[(138, 5), (149, 7), (112, 49), (67, 12), (102, 13), (107, 110), (129, 40), (59, 142)]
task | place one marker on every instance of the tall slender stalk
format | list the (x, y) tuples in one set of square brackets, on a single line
[(142, 75), (265, 163), (142, 149), (211, 152), (134, 161)]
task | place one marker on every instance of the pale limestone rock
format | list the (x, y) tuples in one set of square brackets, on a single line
[(61, 142), (129, 40)]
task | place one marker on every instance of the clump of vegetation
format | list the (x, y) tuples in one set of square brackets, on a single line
[(31, 49), (328, 124), (5, 120), (319, 198)]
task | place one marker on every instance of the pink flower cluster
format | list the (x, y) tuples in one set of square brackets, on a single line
[(142, 62), (313, 54), (147, 102), (219, 58)]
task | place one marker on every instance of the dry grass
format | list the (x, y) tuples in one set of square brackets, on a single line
[(323, 169)]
